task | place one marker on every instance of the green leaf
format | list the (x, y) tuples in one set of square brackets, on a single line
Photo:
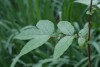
[(98, 5), (66, 27), (38, 37), (62, 46), (84, 31), (81, 41), (83, 62), (46, 26), (87, 2), (15, 60), (28, 27), (4, 25), (31, 45), (37, 65), (29, 34), (97, 46)]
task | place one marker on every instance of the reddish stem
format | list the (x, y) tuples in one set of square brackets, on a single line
[(89, 28)]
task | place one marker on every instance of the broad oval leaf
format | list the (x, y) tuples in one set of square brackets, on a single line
[(46, 26), (31, 45), (66, 27), (84, 32), (62, 46), (87, 2), (81, 41)]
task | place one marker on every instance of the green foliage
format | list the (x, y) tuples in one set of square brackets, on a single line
[(43, 31), (66, 28), (62, 46), (81, 41), (40, 28), (38, 37), (31, 45), (46, 26), (84, 31)]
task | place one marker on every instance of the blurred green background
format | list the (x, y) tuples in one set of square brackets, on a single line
[(16, 14)]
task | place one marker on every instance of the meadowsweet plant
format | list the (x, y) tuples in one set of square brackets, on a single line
[(49, 33), (43, 31)]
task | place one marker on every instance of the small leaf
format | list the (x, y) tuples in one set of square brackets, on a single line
[(66, 28), (31, 45), (98, 5), (87, 2), (62, 46), (81, 41), (89, 13), (46, 26), (84, 31)]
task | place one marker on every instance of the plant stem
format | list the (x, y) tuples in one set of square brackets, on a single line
[(89, 28)]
